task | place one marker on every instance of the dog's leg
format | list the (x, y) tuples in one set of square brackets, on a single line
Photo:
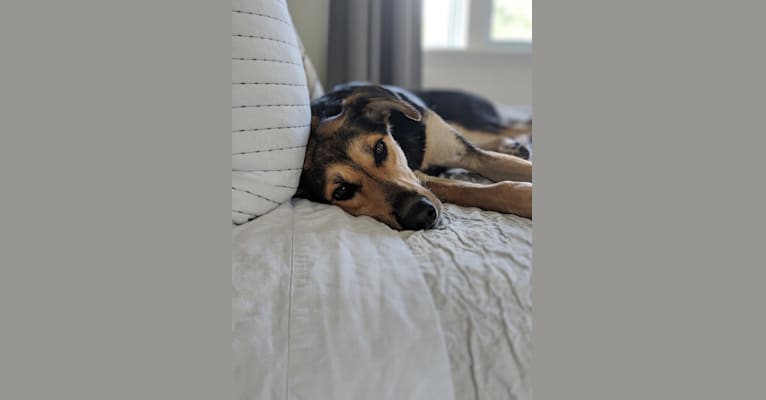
[(445, 147), (497, 166), (496, 142), (506, 197)]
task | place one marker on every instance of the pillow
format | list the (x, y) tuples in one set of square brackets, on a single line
[(316, 90), (270, 115)]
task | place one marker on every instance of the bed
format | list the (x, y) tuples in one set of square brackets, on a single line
[(330, 306)]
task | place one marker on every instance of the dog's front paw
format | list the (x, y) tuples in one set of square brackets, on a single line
[(514, 148), (516, 198)]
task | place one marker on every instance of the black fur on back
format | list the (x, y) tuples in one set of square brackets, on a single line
[(466, 109)]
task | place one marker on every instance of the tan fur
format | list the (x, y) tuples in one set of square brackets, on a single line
[(517, 131), (441, 143), (330, 125), (507, 197), (444, 148), (499, 142), (497, 166), (376, 184)]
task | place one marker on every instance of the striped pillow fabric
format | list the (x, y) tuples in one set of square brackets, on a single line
[(270, 113)]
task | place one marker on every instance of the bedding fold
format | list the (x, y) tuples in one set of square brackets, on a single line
[(330, 306)]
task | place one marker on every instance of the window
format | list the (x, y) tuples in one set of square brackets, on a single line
[(477, 24), (444, 23), (511, 21)]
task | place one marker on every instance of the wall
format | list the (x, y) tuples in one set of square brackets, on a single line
[(505, 78), (311, 18)]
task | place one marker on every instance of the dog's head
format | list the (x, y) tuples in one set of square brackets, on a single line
[(353, 161)]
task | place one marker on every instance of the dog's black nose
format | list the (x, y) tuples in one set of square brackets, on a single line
[(420, 214)]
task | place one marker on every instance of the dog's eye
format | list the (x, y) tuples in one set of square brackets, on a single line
[(380, 151), (344, 192)]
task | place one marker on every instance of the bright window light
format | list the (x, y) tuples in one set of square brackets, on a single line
[(511, 21), (444, 23)]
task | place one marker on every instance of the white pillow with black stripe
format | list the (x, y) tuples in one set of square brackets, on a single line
[(270, 115)]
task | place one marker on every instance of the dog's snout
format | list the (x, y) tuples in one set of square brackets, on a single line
[(418, 214)]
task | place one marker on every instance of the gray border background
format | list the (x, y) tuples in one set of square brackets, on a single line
[(648, 200), (115, 201)]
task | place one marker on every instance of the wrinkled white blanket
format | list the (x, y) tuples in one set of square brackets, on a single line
[(330, 306), (478, 266)]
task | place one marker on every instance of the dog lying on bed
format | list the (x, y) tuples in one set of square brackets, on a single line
[(374, 150)]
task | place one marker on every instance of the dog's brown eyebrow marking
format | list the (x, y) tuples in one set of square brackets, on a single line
[(339, 179)]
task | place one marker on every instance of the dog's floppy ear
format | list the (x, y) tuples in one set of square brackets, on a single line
[(378, 109)]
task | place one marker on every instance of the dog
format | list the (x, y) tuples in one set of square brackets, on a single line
[(478, 121), (375, 150)]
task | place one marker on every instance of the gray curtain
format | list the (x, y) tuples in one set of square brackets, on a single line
[(374, 40)]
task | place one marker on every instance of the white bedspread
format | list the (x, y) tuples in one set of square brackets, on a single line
[(478, 266), (329, 306)]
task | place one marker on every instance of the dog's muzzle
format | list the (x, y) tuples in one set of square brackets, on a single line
[(417, 212)]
